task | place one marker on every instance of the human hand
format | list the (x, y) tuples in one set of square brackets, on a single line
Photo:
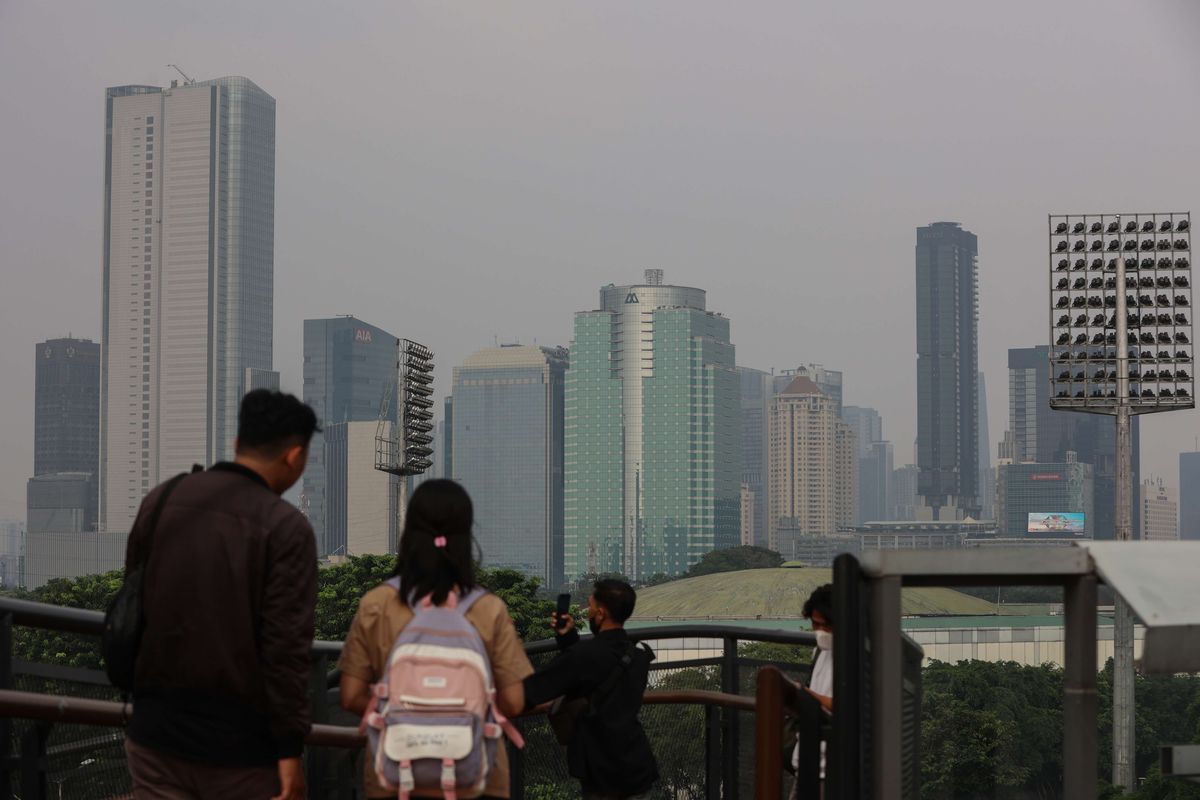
[(291, 779), (825, 700), (562, 624)]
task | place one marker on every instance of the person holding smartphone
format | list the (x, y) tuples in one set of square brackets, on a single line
[(608, 751)]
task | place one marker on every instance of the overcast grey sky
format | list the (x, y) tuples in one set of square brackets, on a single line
[(459, 171)]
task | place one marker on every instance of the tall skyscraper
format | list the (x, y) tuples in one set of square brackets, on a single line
[(867, 425), (189, 241), (349, 365), (904, 482), (66, 414), (653, 447), (812, 475), (508, 453), (948, 370), (876, 491), (1044, 436), (1189, 496), (756, 392), (1160, 512)]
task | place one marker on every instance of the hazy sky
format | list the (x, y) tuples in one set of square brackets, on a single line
[(458, 172)]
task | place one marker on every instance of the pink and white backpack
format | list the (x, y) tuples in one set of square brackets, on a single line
[(434, 723)]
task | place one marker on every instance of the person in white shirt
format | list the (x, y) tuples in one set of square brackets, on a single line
[(818, 610)]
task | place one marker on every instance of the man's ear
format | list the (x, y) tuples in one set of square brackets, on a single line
[(294, 457)]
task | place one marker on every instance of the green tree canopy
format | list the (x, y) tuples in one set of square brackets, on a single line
[(733, 559)]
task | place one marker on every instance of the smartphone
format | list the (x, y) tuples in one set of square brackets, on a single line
[(562, 609)]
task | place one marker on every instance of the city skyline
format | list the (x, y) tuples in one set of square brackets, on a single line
[(803, 186)]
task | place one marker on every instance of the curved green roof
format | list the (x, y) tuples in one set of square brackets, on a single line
[(781, 592)]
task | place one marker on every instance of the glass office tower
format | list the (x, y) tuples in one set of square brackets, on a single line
[(188, 288), (508, 452), (349, 365), (653, 459)]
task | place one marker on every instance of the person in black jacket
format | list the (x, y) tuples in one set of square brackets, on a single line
[(609, 753), (220, 695)]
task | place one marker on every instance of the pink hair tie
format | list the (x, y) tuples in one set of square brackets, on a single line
[(439, 541)]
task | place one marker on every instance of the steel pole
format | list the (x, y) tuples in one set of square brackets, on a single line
[(1123, 700)]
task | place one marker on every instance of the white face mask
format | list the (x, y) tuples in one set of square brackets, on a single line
[(824, 640)]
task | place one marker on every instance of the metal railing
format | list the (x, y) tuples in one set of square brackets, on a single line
[(699, 712)]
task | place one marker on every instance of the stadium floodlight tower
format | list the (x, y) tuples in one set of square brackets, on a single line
[(1121, 344), (405, 449)]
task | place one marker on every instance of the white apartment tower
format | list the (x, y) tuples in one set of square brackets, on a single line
[(1160, 512), (189, 240), (812, 464)]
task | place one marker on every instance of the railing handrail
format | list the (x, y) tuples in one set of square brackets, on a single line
[(114, 714), (776, 699), (47, 616)]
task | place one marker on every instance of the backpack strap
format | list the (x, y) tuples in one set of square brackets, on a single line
[(467, 600)]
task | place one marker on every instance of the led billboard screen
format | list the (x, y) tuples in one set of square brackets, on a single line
[(1069, 523)]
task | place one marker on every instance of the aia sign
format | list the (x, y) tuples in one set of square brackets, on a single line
[(362, 335)]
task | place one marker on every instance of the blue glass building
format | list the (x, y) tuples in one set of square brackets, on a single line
[(507, 439), (348, 367)]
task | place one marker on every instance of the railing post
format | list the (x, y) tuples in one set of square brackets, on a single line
[(730, 685), (516, 765), (768, 735), (1080, 745), (316, 762), (6, 682), (887, 690), (712, 753), (33, 762)]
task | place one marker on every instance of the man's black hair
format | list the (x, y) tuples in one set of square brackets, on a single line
[(617, 597), (821, 602), (269, 421)]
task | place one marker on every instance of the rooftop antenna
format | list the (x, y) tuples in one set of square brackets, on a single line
[(186, 80)]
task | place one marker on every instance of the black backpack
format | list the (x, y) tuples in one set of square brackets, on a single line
[(124, 620)]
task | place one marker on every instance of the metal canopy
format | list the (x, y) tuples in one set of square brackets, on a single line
[(1161, 582)]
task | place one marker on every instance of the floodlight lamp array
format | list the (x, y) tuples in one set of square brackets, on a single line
[(1087, 293)]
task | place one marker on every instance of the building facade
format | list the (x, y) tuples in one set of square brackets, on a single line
[(188, 285), (350, 375), (361, 503), (948, 370), (904, 488), (812, 473), (1044, 489), (757, 388), (829, 381), (653, 444), (1189, 496), (61, 502), (1160, 512), (66, 406), (508, 453), (876, 492), (1042, 435)]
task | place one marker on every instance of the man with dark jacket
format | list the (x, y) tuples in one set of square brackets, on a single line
[(220, 702), (609, 753)]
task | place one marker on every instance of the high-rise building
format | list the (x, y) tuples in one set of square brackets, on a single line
[(948, 370), (1160, 512), (1189, 496), (1056, 490), (812, 475), (876, 492), (508, 453), (189, 230), (829, 381), (987, 473), (1042, 435), (756, 392), (867, 425), (653, 447), (349, 367), (749, 504), (66, 412), (904, 482), (66, 435), (360, 502)]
